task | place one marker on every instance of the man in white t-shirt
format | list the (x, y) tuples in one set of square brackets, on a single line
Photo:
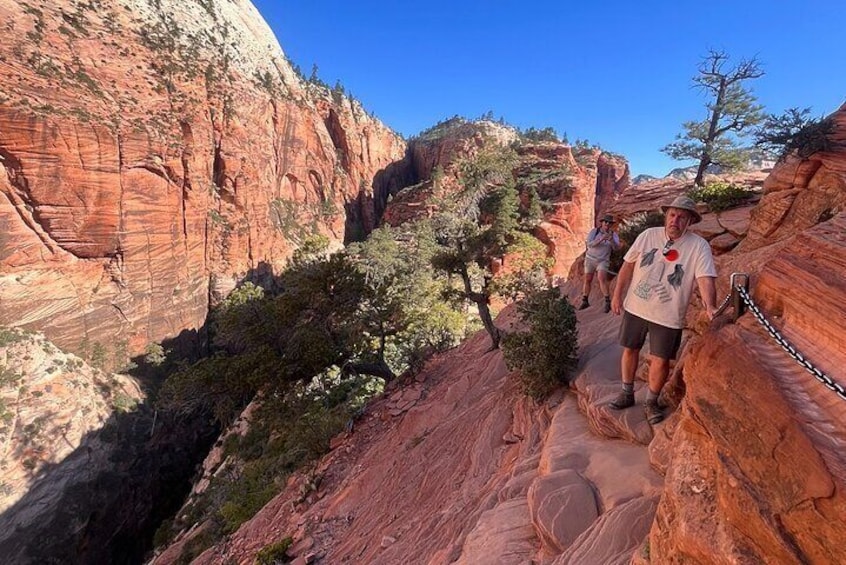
[(659, 271)]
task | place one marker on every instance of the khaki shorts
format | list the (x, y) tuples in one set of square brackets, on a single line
[(592, 265), (664, 342)]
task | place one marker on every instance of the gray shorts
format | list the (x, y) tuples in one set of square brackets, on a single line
[(664, 342), (592, 265)]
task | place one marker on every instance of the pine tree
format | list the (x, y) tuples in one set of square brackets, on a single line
[(479, 225), (732, 113)]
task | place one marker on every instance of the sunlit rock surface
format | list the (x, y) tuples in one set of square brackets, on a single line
[(152, 154), (576, 184)]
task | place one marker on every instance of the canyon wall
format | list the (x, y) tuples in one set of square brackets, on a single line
[(575, 184), (153, 154)]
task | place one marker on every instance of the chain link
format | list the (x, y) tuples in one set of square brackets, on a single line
[(786, 345), (723, 306)]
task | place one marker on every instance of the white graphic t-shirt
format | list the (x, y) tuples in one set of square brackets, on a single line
[(663, 277)]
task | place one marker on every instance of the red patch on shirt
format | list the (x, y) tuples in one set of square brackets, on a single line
[(672, 255)]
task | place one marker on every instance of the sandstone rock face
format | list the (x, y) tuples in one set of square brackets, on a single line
[(569, 183), (756, 472), (88, 471), (612, 178), (800, 193), (433, 161), (49, 403), (152, 154), (575, 183), (448, 141)]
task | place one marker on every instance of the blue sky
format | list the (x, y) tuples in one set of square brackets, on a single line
[(615, 73)]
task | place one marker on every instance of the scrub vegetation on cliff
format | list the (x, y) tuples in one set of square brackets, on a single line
[(334, 327), (311, 353)]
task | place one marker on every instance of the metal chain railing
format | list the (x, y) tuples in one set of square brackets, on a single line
[(738, 310), (722, 307), (742, 299)]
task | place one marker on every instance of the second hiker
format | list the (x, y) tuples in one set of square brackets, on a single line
[(600, 242)]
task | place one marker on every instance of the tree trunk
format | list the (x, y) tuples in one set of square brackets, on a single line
[(704, 161), (379, 369), (487, 321), (716, 114), (481, 301)]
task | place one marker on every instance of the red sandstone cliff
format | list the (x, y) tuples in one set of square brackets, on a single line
[(154, 153), (756, 470), (577, 184)]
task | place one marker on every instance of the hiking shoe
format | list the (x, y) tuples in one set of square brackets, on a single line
[(654, 413), (585, 303), (623, 400), (607, 305)]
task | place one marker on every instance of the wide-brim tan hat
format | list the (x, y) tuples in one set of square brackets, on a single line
[(685, 203)]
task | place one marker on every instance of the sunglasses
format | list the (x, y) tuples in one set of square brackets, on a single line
[(667, 247)]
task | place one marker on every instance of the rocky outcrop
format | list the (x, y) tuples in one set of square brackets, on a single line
[(643, 178), (433, 159), (446, 142), (155, 153), (88, 469), (50, 402), (612, 178), (801, 193), (568, 182), (756, 472), (574, 183)]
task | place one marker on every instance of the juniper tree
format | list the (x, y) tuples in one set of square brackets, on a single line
[(478, 225), (733, 112), (403, 312)]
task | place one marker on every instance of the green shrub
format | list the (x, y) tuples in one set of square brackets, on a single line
[(546, 134), (164, 533), (195, 546), (249, 493), (813, 137), (547, 353), (795, 131), (9, 336), (274, 553), (6, 415), (720, 195), (99, 356), (155, 354), (289, 428), (8, 377), (124, 403)]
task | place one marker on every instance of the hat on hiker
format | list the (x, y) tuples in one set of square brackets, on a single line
[(608, 218), (685, 203)]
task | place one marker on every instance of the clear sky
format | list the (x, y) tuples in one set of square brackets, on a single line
[(615, 73)]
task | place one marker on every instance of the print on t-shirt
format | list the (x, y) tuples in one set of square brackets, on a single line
[(675, 279), (652, 284), (648, 258)]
